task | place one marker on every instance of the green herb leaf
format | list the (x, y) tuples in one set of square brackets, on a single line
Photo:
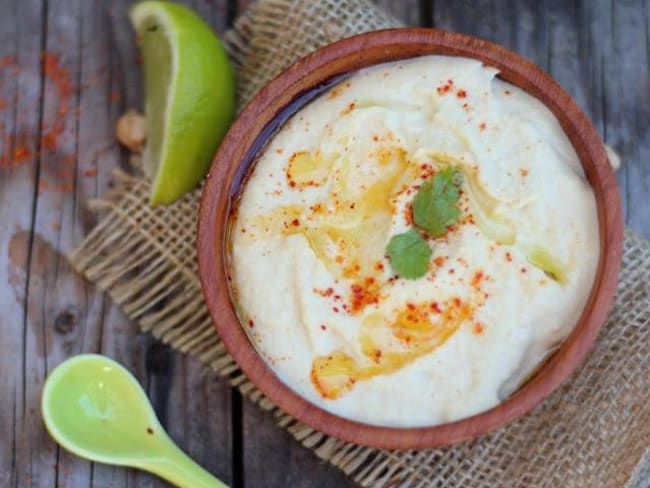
[(436, 204), (409, 254)]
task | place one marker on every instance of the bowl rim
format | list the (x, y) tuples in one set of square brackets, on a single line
[(346, 56)]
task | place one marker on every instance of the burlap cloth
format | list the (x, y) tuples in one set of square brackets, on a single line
[(593, 432)]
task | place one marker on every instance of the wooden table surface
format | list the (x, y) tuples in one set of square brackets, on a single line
[(69, 68)]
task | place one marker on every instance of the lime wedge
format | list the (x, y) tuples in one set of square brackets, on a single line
[(189, 96)]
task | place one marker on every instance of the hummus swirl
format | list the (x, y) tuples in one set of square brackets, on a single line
[(506, 282)]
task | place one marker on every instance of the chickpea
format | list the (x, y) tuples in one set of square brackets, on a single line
[(131, 130)]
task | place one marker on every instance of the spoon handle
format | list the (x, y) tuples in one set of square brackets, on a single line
[(178, 468)]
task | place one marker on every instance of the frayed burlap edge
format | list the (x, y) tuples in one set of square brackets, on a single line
[(145, 260)]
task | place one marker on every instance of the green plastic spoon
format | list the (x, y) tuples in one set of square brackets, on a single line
[(96, 409)]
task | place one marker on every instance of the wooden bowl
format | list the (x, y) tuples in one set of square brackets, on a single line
[(289, 91)]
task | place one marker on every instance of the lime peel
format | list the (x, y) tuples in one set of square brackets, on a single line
[(190, 96)]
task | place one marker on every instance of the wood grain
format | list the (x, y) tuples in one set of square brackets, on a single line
[(52, 312), (20, 90), (596, 49), (237, 153)]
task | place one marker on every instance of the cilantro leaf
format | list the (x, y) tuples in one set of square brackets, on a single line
[(409, 254), (435, 206)]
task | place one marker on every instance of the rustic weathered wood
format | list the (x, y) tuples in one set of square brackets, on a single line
[(596, 49), (21, 36), (50, 312), (343, 57), (408, 11)]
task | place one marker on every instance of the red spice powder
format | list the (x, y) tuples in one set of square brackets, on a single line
[(21, 153), (445, 88), (324, 293), (482, 125), (363, 293), (461, 93), (63, 187), (509, 256), (7, 61), (323, 327), (251, 324), (408, 214), (439, 261), (349, 108), (476, 280), (478, 328)]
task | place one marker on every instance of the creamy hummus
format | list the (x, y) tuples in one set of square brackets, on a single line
[(505, 284)]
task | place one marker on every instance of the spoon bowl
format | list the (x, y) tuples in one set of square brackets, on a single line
[(96, 409)]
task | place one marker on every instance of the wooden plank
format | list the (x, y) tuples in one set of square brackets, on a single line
[(20, 363), (273, 458), (626, 103), (199, 416), (51, 313)]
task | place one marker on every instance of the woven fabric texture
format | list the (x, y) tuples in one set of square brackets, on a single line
[(593, 431)]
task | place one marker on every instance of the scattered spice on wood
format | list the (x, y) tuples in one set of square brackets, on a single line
[(21, 153), (7, 61), (60, 77)]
